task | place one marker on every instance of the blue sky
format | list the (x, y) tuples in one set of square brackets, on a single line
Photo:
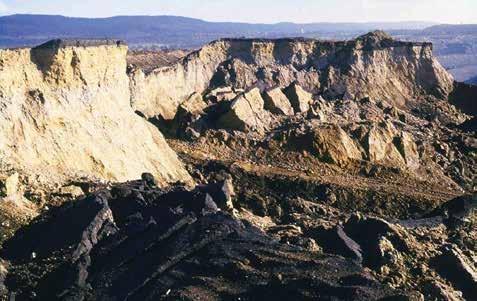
[(263, 11)]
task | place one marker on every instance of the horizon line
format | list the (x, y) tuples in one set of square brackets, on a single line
[(239, 22)]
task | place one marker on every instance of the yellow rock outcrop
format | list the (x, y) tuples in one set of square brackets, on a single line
[(65, 112)]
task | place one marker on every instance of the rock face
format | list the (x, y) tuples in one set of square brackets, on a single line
[(453, 265), (313, 195), (246, 113), (193, 105), (333, 145), (277, 102), (65, 111), (355, 69), (299, 98)]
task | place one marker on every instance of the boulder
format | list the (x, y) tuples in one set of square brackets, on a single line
[(277, 102), (380, 147), (222, 192), (453, 265), (188, 121), (440, 291), (10, 185), (332, 144), (299, 98), (336, 241), (408, 149), (221, 94), (71, 190), (246, 113), (380, 240), (461, 207), (194, 105)]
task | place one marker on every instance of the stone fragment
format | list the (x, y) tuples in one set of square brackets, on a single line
[(332, 144), (194, 105), (246, 113), (454, 266), (336, 241), (221, 94), (71, 191), (277, 102), (10, 185), (299, 98)]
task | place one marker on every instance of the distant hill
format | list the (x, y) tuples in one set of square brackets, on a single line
[(27, 30), (472, 81), (451, 29)]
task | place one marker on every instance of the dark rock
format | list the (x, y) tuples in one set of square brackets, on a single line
[(222, 193), (149, 179), (368, 232), (336, 241), (460, 207), (453, 265), (170, 245)]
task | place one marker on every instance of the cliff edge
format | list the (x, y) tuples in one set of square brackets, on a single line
[(372, 65), (65, 113)]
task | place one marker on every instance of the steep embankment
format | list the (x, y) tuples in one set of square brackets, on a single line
[(372, 65), (65, 112)]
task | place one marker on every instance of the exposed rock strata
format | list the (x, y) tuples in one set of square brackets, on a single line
[(65, 111), (373, 65)]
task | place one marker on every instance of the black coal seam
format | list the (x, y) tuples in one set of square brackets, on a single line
[(175, 228), (178, 258)]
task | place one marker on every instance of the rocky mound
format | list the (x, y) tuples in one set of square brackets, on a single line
[(66, 114), (372, 65), (307, 188), (137, 242)]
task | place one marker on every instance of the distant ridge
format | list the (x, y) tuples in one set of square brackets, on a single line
[(452, 29), (175, 31), (472, 81)]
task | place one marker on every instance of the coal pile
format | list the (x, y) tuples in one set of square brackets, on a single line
[(135, 241)]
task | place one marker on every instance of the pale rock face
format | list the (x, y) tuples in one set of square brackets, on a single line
[(10, 185), (194, 105), (373, 65), (277, 102), (246, 113), (299, 98), (221, 94), (380, 145), (332, 144), (65, 112), (408, 150), (161, 92)]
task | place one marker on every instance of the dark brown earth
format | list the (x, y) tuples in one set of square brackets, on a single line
[(150, 60)]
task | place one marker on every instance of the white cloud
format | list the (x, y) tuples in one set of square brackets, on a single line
[(3, 7)]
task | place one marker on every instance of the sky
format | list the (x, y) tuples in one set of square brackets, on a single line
[(259, 11)]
